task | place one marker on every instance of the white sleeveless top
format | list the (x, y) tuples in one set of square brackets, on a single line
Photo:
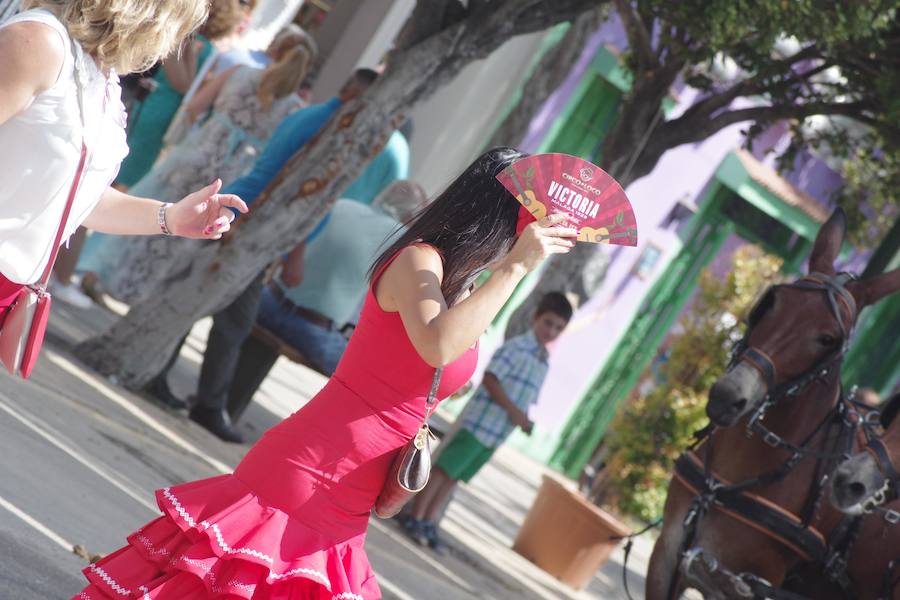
[(40, 148)]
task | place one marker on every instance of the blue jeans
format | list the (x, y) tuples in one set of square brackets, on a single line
[(322, 346)]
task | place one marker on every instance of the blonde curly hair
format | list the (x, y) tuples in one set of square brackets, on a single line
[(127, 35), (225, 16)]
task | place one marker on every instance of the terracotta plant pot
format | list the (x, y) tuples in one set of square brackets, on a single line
[(567, 536)]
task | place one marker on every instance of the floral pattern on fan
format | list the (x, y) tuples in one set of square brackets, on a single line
[(560, 183)]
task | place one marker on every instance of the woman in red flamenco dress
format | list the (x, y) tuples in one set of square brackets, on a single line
[(290, 523)]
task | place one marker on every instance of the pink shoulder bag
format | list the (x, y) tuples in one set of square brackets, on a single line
[(25, 323), (23, 329)]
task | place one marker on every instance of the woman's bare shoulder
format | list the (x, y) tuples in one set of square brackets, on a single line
[(414, 266), (419, 256), (33, 54)]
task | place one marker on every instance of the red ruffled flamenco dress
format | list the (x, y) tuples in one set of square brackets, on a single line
[(290, 523)]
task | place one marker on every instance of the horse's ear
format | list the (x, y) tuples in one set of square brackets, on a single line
[(828, 243), (875, 288)]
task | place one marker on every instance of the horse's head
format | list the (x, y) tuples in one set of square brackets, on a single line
[(796, 332), (870, 478)]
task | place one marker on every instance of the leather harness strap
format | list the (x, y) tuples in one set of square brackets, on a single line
[(879, 452), (753, 510), (760, 361)]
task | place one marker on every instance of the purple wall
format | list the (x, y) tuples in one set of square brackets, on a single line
[(681, 175)]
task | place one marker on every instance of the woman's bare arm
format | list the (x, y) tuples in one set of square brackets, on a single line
[(411, 285), (203, 214)]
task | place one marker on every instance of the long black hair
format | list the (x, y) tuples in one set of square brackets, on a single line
[(472, 223)]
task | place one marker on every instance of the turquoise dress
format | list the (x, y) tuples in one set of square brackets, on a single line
[(148, 122)]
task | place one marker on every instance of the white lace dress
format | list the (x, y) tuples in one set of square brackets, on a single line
[(224, 146)]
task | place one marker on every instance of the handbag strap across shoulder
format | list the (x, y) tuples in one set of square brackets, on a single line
[(79, 172)]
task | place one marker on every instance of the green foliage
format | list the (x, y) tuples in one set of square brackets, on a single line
[(651, 430), (871, 194), (829, 70)]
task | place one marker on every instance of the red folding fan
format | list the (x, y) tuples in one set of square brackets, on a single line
[(594, 202)]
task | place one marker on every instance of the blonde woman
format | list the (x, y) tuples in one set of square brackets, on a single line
[(247, 104), (59, 93)]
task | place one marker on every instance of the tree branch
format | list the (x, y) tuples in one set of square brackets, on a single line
[(747, 87), (427, 19), (793, 111), (638, 37), (753, 86), (686, 130), (538, 15), (481, 33)]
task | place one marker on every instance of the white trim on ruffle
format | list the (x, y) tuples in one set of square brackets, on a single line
[(301, 570), (148, 544), (321, 577), (112, 583)]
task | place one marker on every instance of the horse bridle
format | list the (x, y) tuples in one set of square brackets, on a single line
[(891, 475), (836, 292)]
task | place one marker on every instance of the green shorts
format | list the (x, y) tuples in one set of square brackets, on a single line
[(464, 456)]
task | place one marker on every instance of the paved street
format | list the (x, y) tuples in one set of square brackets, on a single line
[(82, 458)]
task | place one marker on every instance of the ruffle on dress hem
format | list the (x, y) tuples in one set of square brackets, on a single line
[(216, 539)]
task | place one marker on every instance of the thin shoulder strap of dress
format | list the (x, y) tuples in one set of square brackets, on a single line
[(377, 275)]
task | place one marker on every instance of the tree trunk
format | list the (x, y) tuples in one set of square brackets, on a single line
[(548, 75), (137, 346)]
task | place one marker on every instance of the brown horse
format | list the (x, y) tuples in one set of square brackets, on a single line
[(746, 505), (865, 486), (870, 478), (867, 483)]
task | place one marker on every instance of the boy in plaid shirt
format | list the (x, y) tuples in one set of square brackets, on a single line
[(510, 386)]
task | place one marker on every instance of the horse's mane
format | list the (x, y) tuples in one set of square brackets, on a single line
[(890, 409)]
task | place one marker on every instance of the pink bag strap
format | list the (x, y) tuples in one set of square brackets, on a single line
[(65, 217), (79, 173)]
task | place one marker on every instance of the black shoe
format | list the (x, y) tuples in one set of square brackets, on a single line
[(415, 529), (429, 529), (158, 388), (216, 421)]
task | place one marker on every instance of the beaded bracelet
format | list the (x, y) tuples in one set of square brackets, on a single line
[(161, 218)]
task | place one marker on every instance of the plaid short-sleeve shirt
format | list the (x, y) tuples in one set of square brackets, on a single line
[(520, 365)]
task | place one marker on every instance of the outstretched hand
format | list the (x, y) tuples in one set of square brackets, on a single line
[(204, 214)]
